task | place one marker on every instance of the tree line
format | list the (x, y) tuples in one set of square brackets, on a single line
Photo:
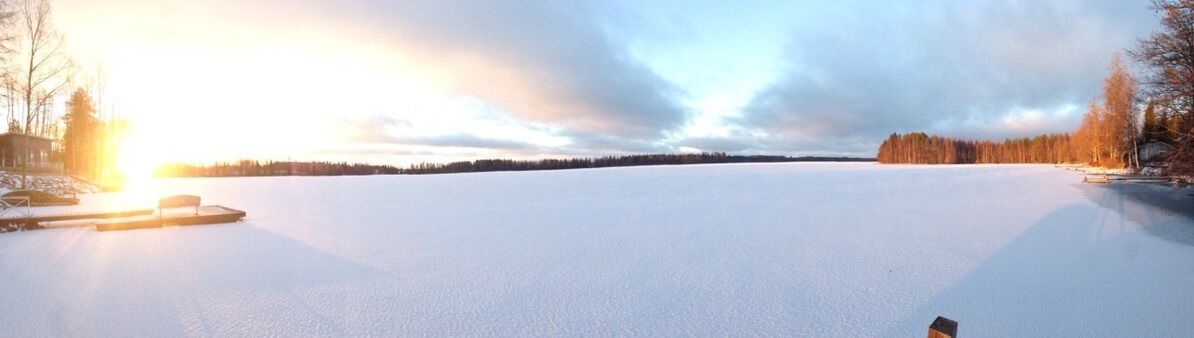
[(604, 162), (291, 168), (273, 168), (922, 148)]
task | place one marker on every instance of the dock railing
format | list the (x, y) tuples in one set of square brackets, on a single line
[(19, 208)]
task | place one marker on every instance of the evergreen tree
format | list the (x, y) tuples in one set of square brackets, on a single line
[(81, 138)]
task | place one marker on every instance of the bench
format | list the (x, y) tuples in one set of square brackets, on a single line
[(178, 201)]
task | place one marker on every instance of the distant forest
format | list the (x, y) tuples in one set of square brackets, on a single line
[(610, 161), (272, 168), (291, 168), (924, 149)]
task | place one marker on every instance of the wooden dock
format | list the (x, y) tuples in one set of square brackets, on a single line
[(1110, 178), (19, 217), (209, 214), (34, 221)]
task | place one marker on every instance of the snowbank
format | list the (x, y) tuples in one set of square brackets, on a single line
[(808, 249), (1151, 171), (57, 184), (1101, 170)]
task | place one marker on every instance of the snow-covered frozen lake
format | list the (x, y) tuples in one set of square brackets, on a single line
[(809, 249)]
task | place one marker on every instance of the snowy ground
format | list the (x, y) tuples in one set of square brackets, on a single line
[(56, 184), (809, 249)]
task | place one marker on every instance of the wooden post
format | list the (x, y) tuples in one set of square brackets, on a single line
[(943, 328)]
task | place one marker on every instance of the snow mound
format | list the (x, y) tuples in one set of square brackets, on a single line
[(1108, 171), (60, 185), (1151, 171)]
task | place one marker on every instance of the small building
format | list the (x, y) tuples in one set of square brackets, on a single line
[(1152, 150), (32, 152)]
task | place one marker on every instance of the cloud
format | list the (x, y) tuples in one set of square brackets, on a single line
[(379, 129), (845, 145), (544, 62), (718, 144), (369, 129), (461, 140), (958, 68)]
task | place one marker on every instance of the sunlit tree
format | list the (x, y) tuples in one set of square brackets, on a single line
[(81, 138), (1120, 126)]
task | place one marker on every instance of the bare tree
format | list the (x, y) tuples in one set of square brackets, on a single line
[(1168, 55), (8, 40), (40, 71)]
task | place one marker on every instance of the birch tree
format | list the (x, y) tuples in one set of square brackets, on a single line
[(39, 70), (1121, 126)]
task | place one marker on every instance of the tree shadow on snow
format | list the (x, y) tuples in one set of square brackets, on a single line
[(216, 279), (248, 258), (1161, 210), (1075, 272)]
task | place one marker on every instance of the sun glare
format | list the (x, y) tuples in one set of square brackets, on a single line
[(135, 161), (135, 166)]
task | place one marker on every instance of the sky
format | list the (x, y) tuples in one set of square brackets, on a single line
[(402, 82)]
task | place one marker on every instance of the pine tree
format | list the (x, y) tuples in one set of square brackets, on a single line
[(81, 136)]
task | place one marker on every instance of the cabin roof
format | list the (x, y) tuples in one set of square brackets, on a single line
[(29, 136)]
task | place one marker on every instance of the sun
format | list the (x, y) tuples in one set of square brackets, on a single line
[(136, 161)]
